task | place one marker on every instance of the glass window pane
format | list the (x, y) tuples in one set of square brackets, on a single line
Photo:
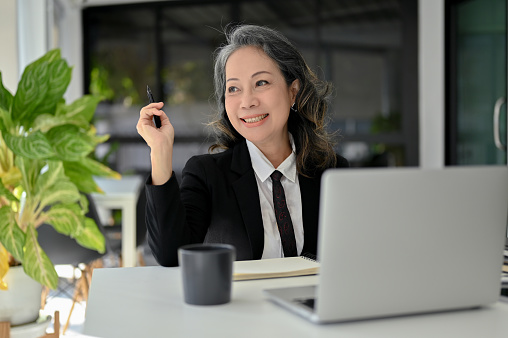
[(356, 45)]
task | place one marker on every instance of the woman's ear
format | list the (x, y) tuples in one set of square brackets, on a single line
[(294, 88)]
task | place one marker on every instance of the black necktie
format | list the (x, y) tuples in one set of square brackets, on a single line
[(287, 233)]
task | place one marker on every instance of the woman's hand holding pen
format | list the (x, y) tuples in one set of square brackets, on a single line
[(160, 140)]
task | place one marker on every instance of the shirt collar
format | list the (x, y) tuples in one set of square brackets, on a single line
[(264, 168)]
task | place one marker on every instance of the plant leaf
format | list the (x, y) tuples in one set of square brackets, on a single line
[(6, 192), (4, 267), (70, 143), (11, 235), (5, 120), (50, 176), (46, 121), (42, 85), (6, 157), (50, 56), (65, 218), (84, 182), (90, 236), (30, 171), (98, 169), (58, 81), (5, 96), (82, 173), (36, 263), (60, 193), (33, 146), (12, 177), (53, 186), (81, 109), (31, 91), (92, 132), (83, 201)]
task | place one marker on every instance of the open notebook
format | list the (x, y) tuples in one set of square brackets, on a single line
[(274, 268)]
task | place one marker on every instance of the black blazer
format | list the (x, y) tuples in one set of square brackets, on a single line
[(218, 202)]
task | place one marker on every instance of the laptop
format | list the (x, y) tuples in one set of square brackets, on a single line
[(406, 241)]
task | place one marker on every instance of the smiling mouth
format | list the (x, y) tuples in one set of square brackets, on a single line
[(255, 119)]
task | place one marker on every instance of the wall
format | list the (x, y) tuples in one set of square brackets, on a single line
[(9, 44), (431, 83), (22, 37)]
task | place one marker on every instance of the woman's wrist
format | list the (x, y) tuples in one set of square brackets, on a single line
[(162, 166)]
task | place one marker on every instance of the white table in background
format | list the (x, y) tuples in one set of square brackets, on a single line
[(148, 302), (122, 194)]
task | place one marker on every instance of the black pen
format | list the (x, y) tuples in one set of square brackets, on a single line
[(156, 119)]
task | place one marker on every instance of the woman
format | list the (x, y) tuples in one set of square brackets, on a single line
[(271, 113)]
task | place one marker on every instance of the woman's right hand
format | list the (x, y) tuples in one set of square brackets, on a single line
[(160, 140)]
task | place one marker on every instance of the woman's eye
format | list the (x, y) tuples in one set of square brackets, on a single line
[(261, 83), (232, 89)]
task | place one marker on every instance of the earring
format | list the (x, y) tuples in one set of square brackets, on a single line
[(293, 109)]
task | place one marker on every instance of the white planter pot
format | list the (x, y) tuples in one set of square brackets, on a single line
[(21, 303)]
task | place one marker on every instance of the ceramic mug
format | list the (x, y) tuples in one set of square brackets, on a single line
[(207, 273)]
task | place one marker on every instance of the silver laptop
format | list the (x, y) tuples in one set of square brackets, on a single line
[(405, 241)]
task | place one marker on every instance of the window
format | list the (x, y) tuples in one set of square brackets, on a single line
[(366, 48)]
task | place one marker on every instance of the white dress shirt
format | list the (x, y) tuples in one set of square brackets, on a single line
[(263, 169)]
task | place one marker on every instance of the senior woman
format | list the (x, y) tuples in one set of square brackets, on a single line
[(260, 193)]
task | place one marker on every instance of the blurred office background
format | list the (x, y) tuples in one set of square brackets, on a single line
[(416, 82), (366, 48)]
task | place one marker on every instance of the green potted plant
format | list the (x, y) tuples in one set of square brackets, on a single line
[(45, 167)]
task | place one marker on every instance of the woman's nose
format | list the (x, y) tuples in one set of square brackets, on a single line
[(249, 100)]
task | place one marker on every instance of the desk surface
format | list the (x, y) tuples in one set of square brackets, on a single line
[(147, 302)]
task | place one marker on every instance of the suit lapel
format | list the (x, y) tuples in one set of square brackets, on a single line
[(247, 195)]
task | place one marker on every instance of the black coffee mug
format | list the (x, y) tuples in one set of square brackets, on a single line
[(207, 273)]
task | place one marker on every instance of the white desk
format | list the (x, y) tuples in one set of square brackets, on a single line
[(122, 194), (148, 302)]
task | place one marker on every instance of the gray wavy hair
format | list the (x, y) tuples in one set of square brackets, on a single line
[(314, 145)]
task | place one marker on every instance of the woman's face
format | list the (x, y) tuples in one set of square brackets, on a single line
[(257, 98)]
